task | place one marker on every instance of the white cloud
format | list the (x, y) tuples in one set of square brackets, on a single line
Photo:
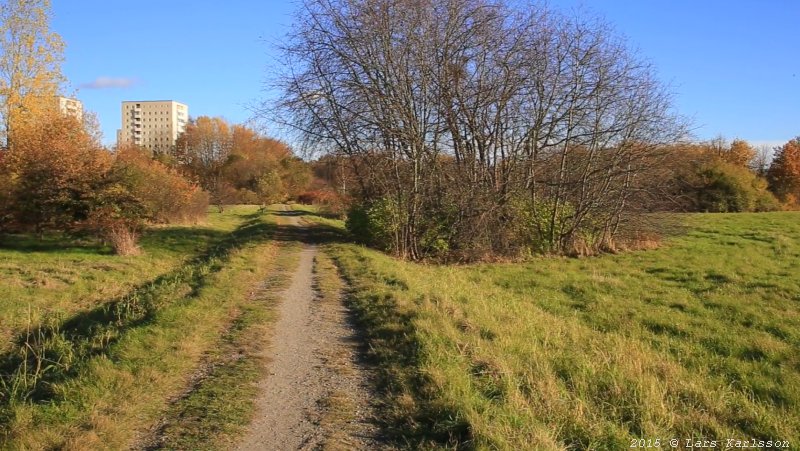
[(111, 82)]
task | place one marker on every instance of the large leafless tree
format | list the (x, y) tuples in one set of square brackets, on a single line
[(471, 111)]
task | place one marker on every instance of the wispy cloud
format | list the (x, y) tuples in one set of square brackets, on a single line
[(111, 83)]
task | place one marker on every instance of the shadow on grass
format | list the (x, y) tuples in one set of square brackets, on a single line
[(392, 347), (290, 213), (310, 234), (171, 239), (310, 231), (321, 213), (182, 240), (55, 352), (55, 243)]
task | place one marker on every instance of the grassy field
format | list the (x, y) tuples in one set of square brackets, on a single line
[(697, 339), (57, 276), (98, 348)]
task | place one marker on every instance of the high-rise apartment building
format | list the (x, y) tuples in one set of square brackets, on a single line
[(153, 124), (70, 107)]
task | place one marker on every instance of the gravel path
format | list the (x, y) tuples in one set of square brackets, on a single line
[(311, 342)]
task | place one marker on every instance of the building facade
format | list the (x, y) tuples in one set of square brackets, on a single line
[(70, 107), (152, 124)]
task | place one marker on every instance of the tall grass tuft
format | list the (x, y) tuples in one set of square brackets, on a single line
[(123, 240)]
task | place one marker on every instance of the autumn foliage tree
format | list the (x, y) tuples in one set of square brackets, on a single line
[(53, 172), (56, 175), (51, 169), (784, 173), (58, 178), (238, 165), (163, 194), (202, 150), (740, 153), (30, 63)]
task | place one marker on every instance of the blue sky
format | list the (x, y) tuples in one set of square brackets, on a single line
[(734, 66)]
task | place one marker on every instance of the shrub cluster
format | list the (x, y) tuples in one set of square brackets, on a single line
[(450, 114), (713, 177), (470, 131), (455, 221), (729, 188), (57, 178), (166, 196)]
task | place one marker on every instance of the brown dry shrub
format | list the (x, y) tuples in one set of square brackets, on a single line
[(634, 242), (123, 240), (118, 227), (329, 201)]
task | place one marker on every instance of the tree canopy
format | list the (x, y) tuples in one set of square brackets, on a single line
[(30, 63), (784, 172), (455, 111)]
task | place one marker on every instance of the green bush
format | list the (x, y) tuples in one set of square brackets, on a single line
[(766, 201), (533, 225), (727, 188), (435, 241), (357, 223), (376, 224)]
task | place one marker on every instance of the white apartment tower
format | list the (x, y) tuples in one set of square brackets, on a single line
[(70, 107), (152, 124)]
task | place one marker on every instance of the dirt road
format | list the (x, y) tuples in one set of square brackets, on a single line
[(302, 379)]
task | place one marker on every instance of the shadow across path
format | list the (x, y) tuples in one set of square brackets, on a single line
[(307, 230)]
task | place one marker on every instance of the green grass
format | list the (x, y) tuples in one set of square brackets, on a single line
[(97, 370), (57, 276), (697, 339)]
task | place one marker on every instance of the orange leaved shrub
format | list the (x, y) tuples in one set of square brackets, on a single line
[(166, 196), (56, 177)]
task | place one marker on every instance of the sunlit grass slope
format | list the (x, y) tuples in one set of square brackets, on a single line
[(110, 353), (56, 276), (700, 338)]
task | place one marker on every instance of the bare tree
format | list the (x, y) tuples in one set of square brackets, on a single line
[(763, 157), (475, 109)]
